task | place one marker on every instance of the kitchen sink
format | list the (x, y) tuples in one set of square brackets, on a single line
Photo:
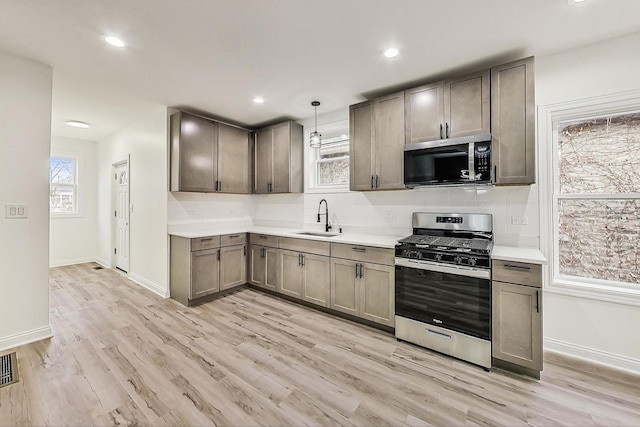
[(317, 233)]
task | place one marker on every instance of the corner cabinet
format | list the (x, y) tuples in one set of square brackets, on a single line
[(448, 109), (279, 159), (207, 156), (517, 315), (513, 122), (377, 136)]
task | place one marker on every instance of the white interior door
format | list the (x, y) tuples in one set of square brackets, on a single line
[(121, 216)]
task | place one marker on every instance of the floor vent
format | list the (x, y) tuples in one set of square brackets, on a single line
[(98, 267), (8, 369)]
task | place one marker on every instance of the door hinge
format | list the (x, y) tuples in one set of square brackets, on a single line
[(115, 251), (115, 213), (115, 176)]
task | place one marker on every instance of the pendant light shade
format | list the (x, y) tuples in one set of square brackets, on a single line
[(315, 138)]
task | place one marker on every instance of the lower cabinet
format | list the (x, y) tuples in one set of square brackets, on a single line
[(364, 290), (206, 265), (305, 276), (233, 266), (517, 315), (263, 267)]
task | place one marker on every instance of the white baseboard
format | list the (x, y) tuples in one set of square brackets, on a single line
[(71, 262), (27, 337), (593, 355), (103, 262), (153, 287)]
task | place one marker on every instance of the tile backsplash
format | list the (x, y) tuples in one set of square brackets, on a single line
[(515, 210)]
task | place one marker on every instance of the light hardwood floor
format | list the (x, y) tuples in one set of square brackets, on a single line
[(122, 355)]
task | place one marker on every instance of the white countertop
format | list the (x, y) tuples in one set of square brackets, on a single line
[(348, 238), (509, 253)]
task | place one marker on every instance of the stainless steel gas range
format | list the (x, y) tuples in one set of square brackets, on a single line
[(443, 285)]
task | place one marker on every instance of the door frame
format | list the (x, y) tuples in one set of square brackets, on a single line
[(119, 162)]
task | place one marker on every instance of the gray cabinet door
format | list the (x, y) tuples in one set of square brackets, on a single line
[(345, 288), (204, 273), (513, 122), (388, 113), (377, 293), (233, 160), (263, 160), (257, 266), (466, 105), (517, 324), (281, 158), (197, 154), (271, 277), (233, 266), (291, 273), (361, 161), (316, 280), (424, 113)]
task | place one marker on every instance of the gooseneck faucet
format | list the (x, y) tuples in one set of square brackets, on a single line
[(327, 226)]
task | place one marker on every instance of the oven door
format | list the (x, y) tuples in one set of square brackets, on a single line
[(457, 298)]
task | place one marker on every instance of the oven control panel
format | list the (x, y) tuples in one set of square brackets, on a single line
[(453, 257), (449, 219)]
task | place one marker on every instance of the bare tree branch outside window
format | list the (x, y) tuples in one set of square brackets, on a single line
[(62, 189)]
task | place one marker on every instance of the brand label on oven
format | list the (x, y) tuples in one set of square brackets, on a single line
[(438, 321)]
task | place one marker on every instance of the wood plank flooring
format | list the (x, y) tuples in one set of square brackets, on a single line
[(123, 356)]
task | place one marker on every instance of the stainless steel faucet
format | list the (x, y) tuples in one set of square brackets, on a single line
[(327, 226)]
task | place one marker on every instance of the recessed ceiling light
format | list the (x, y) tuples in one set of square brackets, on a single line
[(114, 41), (258, 100), (390, 53), (578, 1), (77, 124)]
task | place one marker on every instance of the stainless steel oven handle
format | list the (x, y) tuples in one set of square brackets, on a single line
[(460, 270)]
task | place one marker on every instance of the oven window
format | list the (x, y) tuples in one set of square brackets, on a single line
[(458, 303)]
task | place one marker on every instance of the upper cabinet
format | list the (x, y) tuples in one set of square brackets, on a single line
[(448, 109), (279, 159), (377, 137), (207, 156), (512, 122)]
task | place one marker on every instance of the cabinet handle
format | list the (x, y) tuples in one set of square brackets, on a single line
[(447, 132), (495, 173), (359, 249), (371, 181), (537, 302), (357, 271), (376, 181), (361, 271), (261, 252), (244, 250), (218, 254), (219, 185), (302, 260), (516, 267), (233, 236), (299, 260), (262, 237), (207, 239), (440, 130)]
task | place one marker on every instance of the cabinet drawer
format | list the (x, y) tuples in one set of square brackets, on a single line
[(233, 239), (363, 253), (303, 245), (201, 243), (264, 240), (521, 273)]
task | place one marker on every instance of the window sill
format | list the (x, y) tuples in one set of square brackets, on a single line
[(595, 292), (65, 216)]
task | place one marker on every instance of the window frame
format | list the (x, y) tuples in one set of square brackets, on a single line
[(549, 117), (313, 174), (76, 158)]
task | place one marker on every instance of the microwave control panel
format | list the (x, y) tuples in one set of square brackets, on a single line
[(482, 161)]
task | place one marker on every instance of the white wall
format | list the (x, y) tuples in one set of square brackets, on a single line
[(25, 135), (74, 240), (145, 141), (597, 330)]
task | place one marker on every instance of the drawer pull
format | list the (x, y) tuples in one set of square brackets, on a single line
[(440, 334), (207, 239), (359, 249), (233, 236), (516, 267), (262, 237)]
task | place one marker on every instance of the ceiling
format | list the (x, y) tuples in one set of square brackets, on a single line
[(214, 56)]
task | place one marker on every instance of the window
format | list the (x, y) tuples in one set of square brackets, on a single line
[(594, 195), (63, 188), (329, 169)]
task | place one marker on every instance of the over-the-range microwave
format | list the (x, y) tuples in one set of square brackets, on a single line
[(456, 161)]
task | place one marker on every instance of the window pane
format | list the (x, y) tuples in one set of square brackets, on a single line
[(599, 239), (600, 155), (333, 172), (62, 197)]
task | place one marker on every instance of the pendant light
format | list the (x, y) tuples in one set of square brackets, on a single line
[(315, 138)]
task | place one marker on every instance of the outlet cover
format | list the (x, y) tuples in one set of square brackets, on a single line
[(519, 220), (15, 211)]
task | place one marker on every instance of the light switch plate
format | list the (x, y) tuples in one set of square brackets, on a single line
[(15, 211)]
